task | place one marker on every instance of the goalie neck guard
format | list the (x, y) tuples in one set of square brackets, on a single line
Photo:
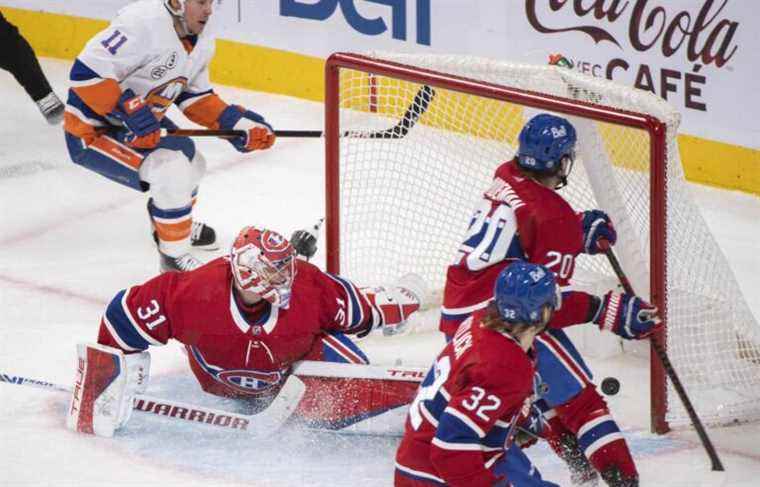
[(263, 262)]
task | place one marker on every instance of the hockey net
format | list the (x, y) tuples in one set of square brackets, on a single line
[(402, 203)]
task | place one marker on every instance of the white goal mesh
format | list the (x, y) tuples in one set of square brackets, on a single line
[(405, 202)]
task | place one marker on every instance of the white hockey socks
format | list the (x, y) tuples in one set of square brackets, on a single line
[(104, 388)]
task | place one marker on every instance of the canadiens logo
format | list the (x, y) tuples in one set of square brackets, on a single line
[(250, 381)]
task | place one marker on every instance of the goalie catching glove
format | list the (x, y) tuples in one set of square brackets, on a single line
[(628, 316), (106, 383), (392, 305)]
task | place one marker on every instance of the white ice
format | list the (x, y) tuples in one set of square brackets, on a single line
[(70, 239)]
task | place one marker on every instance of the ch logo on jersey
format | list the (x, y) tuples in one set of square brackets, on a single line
[(250, 381), (558, 132)]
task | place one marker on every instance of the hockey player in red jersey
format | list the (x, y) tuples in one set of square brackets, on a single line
[(153, 55), (244, 319), (522, 216), (460, 427)]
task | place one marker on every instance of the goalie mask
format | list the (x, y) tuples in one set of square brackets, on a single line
[(264, 262)]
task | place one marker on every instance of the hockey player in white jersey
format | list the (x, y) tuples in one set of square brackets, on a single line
[(153, 54)]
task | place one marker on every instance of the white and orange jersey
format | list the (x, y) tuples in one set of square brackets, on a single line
[(140, 50)]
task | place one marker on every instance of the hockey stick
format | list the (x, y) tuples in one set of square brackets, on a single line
[(315, 368), (667, 365), (259, 425), (410, 117)]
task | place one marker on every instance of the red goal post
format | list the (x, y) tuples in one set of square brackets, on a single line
[(481, 103)]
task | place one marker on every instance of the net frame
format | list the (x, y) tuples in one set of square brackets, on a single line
[(659, 124)]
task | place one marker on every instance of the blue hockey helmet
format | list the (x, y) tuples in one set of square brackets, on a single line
[(547, 146), (523, 291)]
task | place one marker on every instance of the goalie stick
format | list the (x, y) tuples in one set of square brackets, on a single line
[(259, 425), (293, 398), (667, 365), (416, 109)]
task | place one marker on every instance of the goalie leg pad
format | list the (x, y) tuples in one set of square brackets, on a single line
[(105, 384)]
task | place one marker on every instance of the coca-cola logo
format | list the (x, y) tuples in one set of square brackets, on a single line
[(702, 35)]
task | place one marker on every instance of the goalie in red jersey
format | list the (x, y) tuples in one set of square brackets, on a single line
[(461, 426), (244, 320), (522, 216)]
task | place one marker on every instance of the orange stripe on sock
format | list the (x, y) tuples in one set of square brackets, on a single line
[(171, 232)]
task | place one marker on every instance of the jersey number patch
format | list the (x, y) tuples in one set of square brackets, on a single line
[(441, 370), (114, 42), (490, 237), (146, 312), (473, 403)]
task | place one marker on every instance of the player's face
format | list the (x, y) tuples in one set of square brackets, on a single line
[(197, 14)]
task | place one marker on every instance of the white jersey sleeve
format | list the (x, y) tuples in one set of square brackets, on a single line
[(119, 50)]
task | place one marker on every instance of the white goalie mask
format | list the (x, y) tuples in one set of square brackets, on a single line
[(263, 262)]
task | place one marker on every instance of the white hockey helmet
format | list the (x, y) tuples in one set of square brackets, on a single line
[(177, 12)]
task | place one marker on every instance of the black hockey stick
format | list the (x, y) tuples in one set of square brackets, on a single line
[(410, 117), (668, 366)]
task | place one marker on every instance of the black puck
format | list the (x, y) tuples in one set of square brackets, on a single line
[(610, 386)]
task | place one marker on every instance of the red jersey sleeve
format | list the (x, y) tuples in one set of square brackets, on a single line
[(474, 418), (344, 307), (139, 316)]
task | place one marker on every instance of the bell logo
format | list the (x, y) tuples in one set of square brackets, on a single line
[(558, 132), (324, 9)]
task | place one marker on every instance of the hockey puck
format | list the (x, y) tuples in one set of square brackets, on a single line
[(610, 386)]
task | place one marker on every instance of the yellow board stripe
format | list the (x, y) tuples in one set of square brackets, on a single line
[(276, 71), (720, 164)]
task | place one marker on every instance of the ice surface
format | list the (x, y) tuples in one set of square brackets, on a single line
[(70, 239)]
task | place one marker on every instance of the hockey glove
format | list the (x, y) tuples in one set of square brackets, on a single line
[(106, 383), (138, 118), (392, 305), (259, 134), (529, 430), (596, 225), (628, 316), (304, 242)]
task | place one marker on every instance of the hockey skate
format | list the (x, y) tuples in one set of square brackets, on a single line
[(202, 237), (51, 108), (183, 263)]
